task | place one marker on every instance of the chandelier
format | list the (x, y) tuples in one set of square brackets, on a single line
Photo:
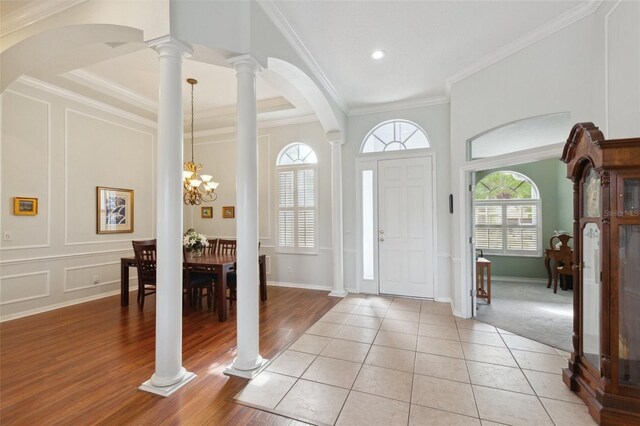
[(197, 188)]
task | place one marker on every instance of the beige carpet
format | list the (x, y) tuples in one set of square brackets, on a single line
[(532, 311)]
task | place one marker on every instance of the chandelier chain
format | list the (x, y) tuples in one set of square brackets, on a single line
[(192, 116)]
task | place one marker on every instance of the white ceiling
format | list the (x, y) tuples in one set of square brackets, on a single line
[(425, 41)]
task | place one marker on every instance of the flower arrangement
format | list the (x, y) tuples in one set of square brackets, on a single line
[(194, 241)]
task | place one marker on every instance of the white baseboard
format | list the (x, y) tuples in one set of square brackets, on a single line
[(62, 305), (297, 285), (443, 300), (519, 280)]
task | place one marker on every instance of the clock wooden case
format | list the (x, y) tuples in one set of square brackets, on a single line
[(605, 364)]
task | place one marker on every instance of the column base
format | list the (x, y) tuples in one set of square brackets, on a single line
[(167, 390), (246, 374), (339, 293)]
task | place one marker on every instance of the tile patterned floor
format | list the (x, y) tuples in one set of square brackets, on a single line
[(393, 361)]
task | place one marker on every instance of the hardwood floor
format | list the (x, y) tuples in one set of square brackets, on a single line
[(83, 364)]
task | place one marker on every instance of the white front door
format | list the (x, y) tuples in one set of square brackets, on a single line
[(405, 227)]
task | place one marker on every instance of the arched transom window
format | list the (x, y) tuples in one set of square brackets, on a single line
[(297, 153), (297, 199), (395, 135), (507, 215)]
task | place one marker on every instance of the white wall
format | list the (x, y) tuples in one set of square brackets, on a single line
[(562, 72), (622, 68), (217, 155), (435, 121), (58, 149)]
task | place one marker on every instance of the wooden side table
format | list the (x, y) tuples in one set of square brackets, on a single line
[(483, 265)]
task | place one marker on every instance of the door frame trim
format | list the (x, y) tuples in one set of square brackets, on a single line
[(465, 214), (370, 162)]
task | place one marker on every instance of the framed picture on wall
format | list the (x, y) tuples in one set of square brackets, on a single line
[(23, 206), (228, 212), (206, 212), (114, 210)]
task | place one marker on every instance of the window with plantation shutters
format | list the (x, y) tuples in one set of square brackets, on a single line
[(297, 199), (507, 215)]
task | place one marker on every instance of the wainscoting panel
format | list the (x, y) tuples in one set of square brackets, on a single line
[(21, 287)]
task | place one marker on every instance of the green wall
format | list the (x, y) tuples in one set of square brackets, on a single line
[(556, 196)]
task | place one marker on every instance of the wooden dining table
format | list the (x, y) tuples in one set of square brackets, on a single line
[(218, 264)]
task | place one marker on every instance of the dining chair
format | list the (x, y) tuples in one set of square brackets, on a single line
[(226, 246), (212, 246), (195, 280), (145, 254), (564, 260)]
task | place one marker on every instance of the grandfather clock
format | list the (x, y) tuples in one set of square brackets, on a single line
[(605, 364)]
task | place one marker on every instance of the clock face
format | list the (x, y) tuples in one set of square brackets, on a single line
[(591, 195)]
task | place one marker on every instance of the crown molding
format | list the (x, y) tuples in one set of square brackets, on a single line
[(115, 90), (110, 88), (577, 13), (33, 12), (72, 96), (265, 124), (398, 105), (278, 103), (277, 17)]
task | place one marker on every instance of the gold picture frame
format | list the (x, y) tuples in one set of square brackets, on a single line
[(114, 210), (228, 212), (25, 206), (206, 212)]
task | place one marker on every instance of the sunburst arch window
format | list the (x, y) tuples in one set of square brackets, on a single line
[(297, 153), (395, 135)]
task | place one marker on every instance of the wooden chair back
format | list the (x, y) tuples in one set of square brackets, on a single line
[(226, 246), (563, 239), (565, 255), (145, 253), (212, 248)]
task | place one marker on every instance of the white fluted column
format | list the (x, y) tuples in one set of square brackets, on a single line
[(170, 375), (248, 359), (336, 141)]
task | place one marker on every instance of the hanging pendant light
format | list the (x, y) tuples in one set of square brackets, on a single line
[(198, 188)]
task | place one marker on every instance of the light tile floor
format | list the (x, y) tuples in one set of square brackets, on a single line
[(394, 361)]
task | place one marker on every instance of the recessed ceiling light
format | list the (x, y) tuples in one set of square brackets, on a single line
[(378, 54)]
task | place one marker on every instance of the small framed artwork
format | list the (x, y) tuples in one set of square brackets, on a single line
[(228, 212), (23, 206), (114, 210), (206, 212)]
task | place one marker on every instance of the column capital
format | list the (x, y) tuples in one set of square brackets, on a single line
[(168, 45), (334, 138), (246, 62)]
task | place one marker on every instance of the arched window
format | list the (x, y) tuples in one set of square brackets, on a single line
[(297, 203), (507, 215), (395, 135)]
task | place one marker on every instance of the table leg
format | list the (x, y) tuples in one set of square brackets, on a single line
[(489, 284), (124, 283), (547, 265), (263, 280), (221, 295)]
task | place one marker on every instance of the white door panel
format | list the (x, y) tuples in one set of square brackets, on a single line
[(405, 219)]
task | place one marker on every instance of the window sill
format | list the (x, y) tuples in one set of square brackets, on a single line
[(296, 252)]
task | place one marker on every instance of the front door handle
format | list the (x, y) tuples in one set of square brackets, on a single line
[(381, 231), (381, 239)]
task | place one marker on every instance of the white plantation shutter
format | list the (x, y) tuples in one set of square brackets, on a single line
[(286, 208), (286, 189), (508, 227), (297, 208)]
